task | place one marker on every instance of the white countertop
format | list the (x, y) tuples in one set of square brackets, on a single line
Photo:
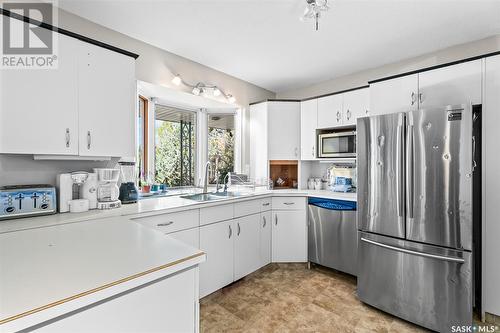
[(170, 203), (55, 266)]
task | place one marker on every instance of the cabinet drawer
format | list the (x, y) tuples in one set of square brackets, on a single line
[(171, 222), (289, 203), (246, 208), (216, 213), (266, 204)]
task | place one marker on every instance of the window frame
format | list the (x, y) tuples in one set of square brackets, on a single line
[(145, 134)]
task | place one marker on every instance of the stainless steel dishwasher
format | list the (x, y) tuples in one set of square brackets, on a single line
[(333, 234)]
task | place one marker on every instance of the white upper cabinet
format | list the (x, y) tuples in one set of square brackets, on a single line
[(330, 111), (84, 107), (451, 85), (258, 142), (356, 104), (308, 126), (106, 99), (39, 109), (284, 130), (395, 95)]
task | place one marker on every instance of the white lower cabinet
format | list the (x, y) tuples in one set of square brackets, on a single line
[(216, 240), (246, 245), (167, 305), (265, 238), (289, 236)]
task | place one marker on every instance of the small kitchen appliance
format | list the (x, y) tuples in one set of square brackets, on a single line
[(27, 200), (128, 189), (107, 188), (74, 189)]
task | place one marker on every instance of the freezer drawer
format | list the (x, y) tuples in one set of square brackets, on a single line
[(333, 238), (424, 284)]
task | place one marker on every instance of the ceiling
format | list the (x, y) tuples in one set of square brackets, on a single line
[(263, 41)]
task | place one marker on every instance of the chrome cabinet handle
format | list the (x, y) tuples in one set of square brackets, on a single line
[(348, 114), (413, 99), (417, 253), (313, 151), (289, 203), (265, 222), (89, 140), (276, 219), (296, 151), (165, 224), (366, 111), (68, 138), (265, 204), (338, 116), (239, 228), (230, 232), (474, 163), (420, 98)]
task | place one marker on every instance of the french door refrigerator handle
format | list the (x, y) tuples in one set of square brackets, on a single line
[(417, 253), (409, 171), (400, 171)]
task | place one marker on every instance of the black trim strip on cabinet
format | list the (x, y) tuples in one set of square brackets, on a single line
[(26, 19), (275, 100), (425, 69)]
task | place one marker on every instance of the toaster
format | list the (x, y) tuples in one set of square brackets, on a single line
[(18, 201)]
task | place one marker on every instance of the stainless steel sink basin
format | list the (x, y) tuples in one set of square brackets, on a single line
[(211, 196)]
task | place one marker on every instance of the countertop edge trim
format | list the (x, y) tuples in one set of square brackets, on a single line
[(91, 291)]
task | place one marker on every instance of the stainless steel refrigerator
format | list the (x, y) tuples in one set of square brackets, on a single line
[(415, 215)]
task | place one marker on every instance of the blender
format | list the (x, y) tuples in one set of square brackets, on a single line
[(128, 190)]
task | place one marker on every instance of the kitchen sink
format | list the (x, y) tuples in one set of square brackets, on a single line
[(211, 196)]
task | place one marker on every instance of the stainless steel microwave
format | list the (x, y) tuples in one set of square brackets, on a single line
[(337, 144)]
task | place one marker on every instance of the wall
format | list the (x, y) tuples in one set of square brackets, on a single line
[(154, 65), (490, 44)]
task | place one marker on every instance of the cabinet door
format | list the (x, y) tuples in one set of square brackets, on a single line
[(190, 237), (308, 125), (451, 85), (289, 236), (217, 242), (491, 183), (258, 143), (38, 108), (396, 95), (246, 245), (330, 111), (355, 106), (265, 238), (284, 130), (106, 99)]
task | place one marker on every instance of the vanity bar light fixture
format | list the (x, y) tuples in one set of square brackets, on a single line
[(202, 88)]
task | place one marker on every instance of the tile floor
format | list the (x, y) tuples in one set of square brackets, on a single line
[(291, 298)]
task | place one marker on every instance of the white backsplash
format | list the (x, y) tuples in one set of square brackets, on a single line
[(23, 169)]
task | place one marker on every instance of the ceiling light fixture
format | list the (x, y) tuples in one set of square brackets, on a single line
[(203, 89), (313, 10), (177, 80)]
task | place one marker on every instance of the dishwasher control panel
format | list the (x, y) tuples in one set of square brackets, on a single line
[(27, 200)]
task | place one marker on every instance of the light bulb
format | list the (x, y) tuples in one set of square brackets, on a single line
[(177, 80), (216, 92), (231, 99), (196, 91)]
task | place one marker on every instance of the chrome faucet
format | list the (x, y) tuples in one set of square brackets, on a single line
[(205, 183)]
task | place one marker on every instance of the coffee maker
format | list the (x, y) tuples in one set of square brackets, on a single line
[(77, 191), (107, 188), (128, 190)]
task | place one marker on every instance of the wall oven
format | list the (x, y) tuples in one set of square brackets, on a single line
[(337, 144)]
